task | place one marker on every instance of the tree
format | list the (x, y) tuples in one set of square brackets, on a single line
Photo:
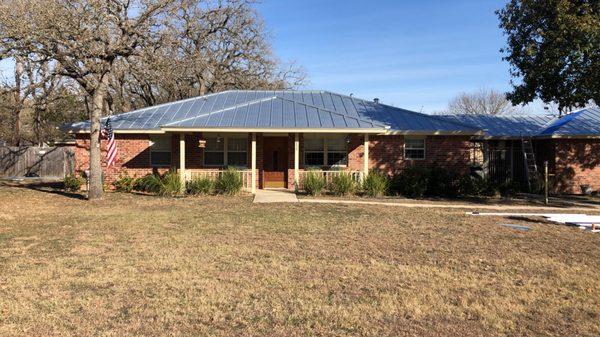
[(86, 38), (482, 102), (553, 47), (210, 49)]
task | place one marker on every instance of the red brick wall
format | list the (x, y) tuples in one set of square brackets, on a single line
[(133, 156), (385, 153), (577, 163)]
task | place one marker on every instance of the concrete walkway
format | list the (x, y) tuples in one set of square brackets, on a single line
[(278, 195), (441, 205)]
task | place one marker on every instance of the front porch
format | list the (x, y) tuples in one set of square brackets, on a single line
[(265, 160)]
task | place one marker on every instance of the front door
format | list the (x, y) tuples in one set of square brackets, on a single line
[(275, 161)]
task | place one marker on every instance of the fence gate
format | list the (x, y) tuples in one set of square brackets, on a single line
[(44, 162)]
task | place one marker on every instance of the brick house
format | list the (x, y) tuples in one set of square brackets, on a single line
[(569, 144), (274, 137)]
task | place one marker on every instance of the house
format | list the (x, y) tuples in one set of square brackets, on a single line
[(274, 137), (570, 144)]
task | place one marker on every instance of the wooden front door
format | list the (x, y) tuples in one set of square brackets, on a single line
[(275, 162)]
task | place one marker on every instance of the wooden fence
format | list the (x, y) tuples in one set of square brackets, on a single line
[(44, 162)]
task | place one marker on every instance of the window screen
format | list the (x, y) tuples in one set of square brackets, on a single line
[(160, 150), (414, 148), (237, 151), (336, 152), (214, 154), (314, 152)]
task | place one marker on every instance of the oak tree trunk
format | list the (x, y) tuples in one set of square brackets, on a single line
[(95, 177), (18, 106)]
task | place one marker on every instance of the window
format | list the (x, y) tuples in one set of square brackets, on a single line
[(214, 154), (314, 152), (230, 151), (237, 151), (414, 148), (160, 150), (325, 151), (336, 152)]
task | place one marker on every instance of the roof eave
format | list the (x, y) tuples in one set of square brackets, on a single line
[(436, 132), (276, 130)]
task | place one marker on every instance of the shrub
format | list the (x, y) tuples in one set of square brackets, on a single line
[(201, 185), (149, 183), (376, 184), (342, 184), (411, 183), (442, 182), (229, 182), (470, 185), (509, 189), (314, 183), (72, 183), (124, 184), (170, 184)]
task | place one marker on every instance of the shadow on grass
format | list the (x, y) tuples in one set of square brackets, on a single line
[(52, 187)]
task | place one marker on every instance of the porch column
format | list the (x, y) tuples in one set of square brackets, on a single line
[(253, 162), (182, 160), (366, 156), (296, 161)]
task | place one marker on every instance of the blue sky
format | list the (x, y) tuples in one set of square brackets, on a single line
[(412, 54)]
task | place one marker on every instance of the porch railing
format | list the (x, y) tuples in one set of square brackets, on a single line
[(191, 174), (328, 175)]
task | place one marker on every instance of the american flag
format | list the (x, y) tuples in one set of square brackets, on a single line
[(112, 145)]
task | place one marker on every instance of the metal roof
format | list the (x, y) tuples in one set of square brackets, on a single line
[(504, 126), (585, 122), (279, 109)]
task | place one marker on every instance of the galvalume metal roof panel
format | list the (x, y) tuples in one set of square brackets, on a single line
[(504, 126), (585, 122), (287, 109)]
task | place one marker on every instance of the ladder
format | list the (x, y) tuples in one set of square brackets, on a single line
[(531, 169)]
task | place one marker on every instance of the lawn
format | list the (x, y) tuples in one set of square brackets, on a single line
[(133, 265)]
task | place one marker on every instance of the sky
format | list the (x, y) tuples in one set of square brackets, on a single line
[(416, 55)]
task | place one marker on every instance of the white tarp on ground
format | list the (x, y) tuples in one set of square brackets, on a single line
[(584, 221)]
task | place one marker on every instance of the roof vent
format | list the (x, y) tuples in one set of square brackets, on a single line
[(376, 100)]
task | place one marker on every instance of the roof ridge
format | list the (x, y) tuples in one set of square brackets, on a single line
[(408, 111), (264, 99), (334, 112)]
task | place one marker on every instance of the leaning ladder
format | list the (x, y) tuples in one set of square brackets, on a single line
[(531, 169)]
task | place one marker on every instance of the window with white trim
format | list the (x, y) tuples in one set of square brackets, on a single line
[(160, 150), (226, 151), (414, 148), (325, 151)]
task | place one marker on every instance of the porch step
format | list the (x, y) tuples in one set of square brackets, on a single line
[(278, 195)]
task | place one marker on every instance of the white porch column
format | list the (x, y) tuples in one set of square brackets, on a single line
[(182, 160), (366, 156), (296, 161), (253, 162)]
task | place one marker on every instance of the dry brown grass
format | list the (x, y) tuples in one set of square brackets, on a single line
[(134, 265)]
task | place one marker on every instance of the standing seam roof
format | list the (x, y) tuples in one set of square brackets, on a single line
[(313, 109)]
